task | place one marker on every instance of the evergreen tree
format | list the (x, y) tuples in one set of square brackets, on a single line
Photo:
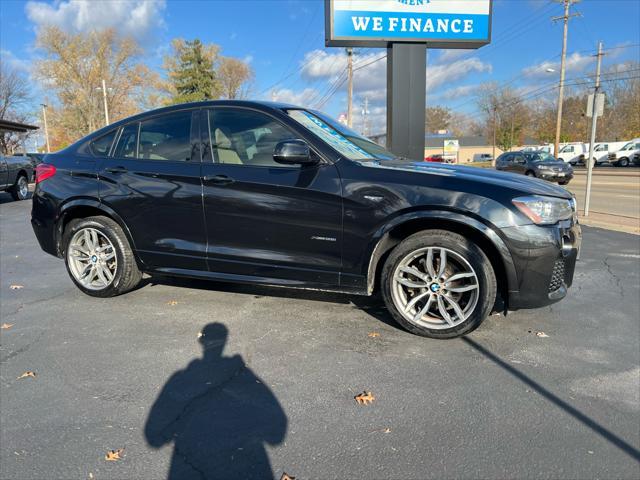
[(193, 77)]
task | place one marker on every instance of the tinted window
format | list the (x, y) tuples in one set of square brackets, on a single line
[(166, 137), (518, 159), (128, 142), (101, 146), (245, 137)]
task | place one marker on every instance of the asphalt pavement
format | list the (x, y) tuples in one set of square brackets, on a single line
[(615, 191), (269, 388)]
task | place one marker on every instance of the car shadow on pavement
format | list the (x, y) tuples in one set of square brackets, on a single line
[(551, 397), (218, 414), (373, 305), (6, 197)]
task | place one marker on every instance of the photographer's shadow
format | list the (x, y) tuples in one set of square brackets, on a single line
[(218, 414)]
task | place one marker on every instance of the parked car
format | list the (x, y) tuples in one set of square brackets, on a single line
[(269, 193), (572, 152), (437, 158), (536, 164), (15, 174), (627, 155), (36, 158), (482, 157)]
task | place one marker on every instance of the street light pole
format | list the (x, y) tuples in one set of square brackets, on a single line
[(46, 129), (350, 87), (594, 126), (565, 17), (104, 98)]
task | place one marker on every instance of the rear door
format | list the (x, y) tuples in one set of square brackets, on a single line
[(265, 219), (152, 180), (4, 173)]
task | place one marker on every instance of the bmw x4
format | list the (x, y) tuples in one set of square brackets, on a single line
[(274, 194)]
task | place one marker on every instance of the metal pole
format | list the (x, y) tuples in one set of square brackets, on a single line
[(350, 87), (494, 135), (46, 129), (594, 125), (104, 98), (562, 71)]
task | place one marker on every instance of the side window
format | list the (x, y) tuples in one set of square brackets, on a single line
[(507, 158), (100, 146), (128, 142), (245, 137), (518, 159), (166, 137)]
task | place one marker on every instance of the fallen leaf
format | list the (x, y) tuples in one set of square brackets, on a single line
[(374, 334), (16, 287), (542, 335), (287, 477), (386, 430), (90, 475), (172, 302), (26, 374), (114, 455), (200, 334), (6, 326), (364, 398)]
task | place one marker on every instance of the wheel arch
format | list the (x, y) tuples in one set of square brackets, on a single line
[(83, 208), (483, 235)]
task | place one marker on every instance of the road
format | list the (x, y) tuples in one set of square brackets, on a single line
[(615, 191), (270, 386)]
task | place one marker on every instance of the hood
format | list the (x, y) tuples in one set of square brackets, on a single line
[(553, 163), (526, 185)]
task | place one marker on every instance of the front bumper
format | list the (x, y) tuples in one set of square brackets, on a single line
[(545, 258), (555, 176)]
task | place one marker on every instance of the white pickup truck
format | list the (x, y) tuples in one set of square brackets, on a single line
[(627, 155)]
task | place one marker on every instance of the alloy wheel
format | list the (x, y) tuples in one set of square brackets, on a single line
[(92, 259), (23, 187), (435, 287)]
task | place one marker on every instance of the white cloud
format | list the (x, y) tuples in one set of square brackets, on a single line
[(439, 75), (14, 62), (137, 18), (458, 92), (450, 55), (286, 95), (576, 62)]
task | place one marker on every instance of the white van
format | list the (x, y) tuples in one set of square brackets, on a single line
[(572, 153), (602, 150), (627, 155)]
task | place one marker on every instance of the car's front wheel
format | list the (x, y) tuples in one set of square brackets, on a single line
[(99, 258), (438, 284), (20, 190), (623, 162)]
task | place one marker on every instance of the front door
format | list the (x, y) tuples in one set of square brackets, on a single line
[(152, 180), (4, 173), (266, 220)]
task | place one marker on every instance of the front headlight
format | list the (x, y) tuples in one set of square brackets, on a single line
[(544, 167), (545, 210)]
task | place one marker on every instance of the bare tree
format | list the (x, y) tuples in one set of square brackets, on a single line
[(235, 77), (14, 97)]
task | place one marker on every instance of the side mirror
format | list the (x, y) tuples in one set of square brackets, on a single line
[(293, 152)]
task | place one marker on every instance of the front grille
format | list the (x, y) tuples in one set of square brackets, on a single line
[(557, 276), (612, 156)]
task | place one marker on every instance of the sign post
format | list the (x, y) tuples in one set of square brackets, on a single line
[(406, 28)]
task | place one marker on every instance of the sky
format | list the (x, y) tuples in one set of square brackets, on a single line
[(283, 40)]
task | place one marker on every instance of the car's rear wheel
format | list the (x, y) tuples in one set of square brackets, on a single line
[(99, 258), (20, 190), (438, 284), (530, 174), (623, 162), (564, 182)]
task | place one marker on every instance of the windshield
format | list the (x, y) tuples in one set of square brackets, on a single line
[(347, 142), (628, 146), (542, 157)]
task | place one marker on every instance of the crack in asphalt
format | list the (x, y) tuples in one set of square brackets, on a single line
[(34, 302), (21, 350), (615, 277), (185, 459)]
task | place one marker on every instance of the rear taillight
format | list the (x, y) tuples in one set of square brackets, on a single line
[(44, 171)]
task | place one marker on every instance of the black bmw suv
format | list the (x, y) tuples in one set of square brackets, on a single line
[(275, 194)]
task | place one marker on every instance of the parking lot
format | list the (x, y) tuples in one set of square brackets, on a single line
[(200, 379)]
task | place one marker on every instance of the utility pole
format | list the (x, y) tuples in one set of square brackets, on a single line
[(594, 126), (46, 129), (104, 98), (565, 17), (350, 87), (365, 116)]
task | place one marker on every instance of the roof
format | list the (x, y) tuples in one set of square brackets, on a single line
[(9, 126)]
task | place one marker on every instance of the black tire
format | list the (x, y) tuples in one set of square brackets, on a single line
[(127, 275), (530, 174), (460, 245), (17, 191), (564, 182), (623, 162)]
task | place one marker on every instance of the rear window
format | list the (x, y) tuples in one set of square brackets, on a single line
[(167, 137), (100, 146)]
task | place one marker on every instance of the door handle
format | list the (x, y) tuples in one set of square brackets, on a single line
[(116, 170), (218, 179)]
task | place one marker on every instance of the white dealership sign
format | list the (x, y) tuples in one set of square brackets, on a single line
[(438, 23)]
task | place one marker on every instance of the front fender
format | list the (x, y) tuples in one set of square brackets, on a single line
[(442, 219)]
